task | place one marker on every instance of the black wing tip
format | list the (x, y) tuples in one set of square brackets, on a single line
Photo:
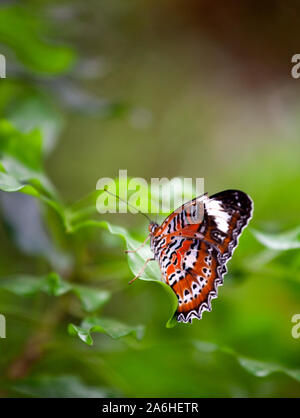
[(236, 199), (232, 193)]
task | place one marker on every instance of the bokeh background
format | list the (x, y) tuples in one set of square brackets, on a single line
[(163, 89)]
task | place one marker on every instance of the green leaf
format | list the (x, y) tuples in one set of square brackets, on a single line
[(25, 33), (83, 334), (255, 367), (136, 261), (283, 241), (25, 285), (9, 183), (23, 179), (35, 111), (21, 167), (53, 285), (65, 386), (113, 328), (263, 369), (92, 299), (26, 148), (23, 218), (22, 285), (110, 327)]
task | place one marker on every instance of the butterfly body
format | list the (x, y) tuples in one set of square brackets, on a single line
[(193, 245)]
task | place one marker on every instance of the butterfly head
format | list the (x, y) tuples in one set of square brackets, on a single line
[(153, 227)]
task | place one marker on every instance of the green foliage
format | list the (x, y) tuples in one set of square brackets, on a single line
[(106, 326), (284, 241), (257, 368), (57, 387), (24, 148), (92, 299), (22, 31), (35, 111), (136, 261), (22, 171), (63, 272)]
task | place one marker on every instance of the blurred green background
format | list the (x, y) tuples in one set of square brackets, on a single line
[(162, 89)]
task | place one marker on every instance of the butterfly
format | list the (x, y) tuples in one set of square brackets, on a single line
[(193, 246)]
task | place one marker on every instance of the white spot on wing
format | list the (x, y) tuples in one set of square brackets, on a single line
[(190, 259), (221, 217)]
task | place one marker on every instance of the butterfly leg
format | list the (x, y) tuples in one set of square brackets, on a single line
[(138, 248), (142, 270)]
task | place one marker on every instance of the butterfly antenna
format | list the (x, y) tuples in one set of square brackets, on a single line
[(128, 204)]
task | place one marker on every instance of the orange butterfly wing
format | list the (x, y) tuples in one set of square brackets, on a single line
[(194, 244)]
